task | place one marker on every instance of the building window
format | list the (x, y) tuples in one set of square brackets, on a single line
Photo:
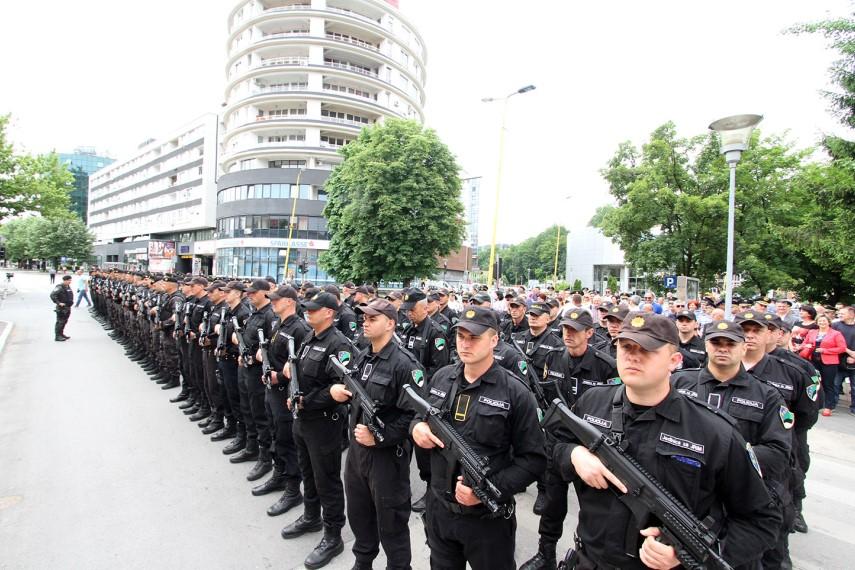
[(246, 164), (286, 164)]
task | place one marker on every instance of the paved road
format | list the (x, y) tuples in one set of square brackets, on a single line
[(98, 470)]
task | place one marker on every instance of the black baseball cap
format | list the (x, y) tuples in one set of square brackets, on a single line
[(235, 286), (221, 285), (258, 285), (538, 309), (199, 281), (773, 321), (687, 315), (578, 320), (517, 301), (395, 296), (618, 312), (477, 320), (379, 307), (750, 317), (411, 297), (321, 300), (363, 289), (651, 331), (724, 329), (66, 277), (481, 298), (332, 290), (283, 292)]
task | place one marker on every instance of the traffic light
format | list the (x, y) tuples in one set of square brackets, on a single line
[(304, 266), (497, 269)]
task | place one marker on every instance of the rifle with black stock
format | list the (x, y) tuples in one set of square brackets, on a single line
[(220, 349), (369, 408), (246, 356), (294, 392), (266, 369), (188, 307), (474, 467), (696, 546), (203, 335)]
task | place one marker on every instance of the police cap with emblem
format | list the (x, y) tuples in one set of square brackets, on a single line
[(477, 320), (518, 301), (687, 315), (433, 297), (481, 298), (395, 296), (379, 307), (617, 312), (773, 321), (169, 278), (258, 285), (235, 286), (411, 297), (284, 292), (606, 306), (538, 309), (216, 285), (321, 301), (724, 329), (651, 331), (749, 317), (578, 320)]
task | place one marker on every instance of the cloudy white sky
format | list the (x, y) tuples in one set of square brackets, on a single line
[(111, 74)]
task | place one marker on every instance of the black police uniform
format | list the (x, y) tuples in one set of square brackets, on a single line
[(696, 349), (169, 307), (497, 416), (429, 345), (346, 322), (537, 348), (696, 453), (213, 378), (508, 330), (571, 377), (318, 428), (62, 293), (286, 469), (511, 360), (377, 479), (229, 367), (250, 383), (201, 305)]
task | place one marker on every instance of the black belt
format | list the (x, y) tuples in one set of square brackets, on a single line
[(478, 511)]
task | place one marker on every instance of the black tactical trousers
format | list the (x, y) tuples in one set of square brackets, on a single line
[(377, 485), (455, 539), (245, 408), (212, 387), (62, 314), (229, 367), (555, 511), (284, 448), (319, 453)]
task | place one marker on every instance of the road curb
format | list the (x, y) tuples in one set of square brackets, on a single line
[(7, 330)]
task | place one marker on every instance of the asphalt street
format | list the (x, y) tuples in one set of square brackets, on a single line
[(99, 470)]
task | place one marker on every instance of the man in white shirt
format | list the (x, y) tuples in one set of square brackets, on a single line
[(81, 286)]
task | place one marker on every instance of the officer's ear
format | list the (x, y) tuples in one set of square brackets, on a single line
[(676, 359), (589, 333), (494, 339)]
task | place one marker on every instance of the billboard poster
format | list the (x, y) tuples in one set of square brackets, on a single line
[(161, 256)]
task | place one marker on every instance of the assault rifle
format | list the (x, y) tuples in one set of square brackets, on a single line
[(266, 369), (203, 336), (534, 381), (697, 546), (188, 307), (246, 356), (294, 393), (456, 450), (369, 408), (221, 339)]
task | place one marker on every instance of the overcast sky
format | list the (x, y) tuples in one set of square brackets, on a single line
[(111, 74)]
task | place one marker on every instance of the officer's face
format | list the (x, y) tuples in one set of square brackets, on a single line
[(576, 341), (319, 317), (233, 296), (474, 349), (774, 337), (644, 369), (443, 300), (614, 326), (538, 322), (418, 313), (725, 352), (375, 326), (432, 307), (685, 326), (756, 336), (784, 340), (517, 311)]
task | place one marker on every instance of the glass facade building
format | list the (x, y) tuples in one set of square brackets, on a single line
[(82, 162)]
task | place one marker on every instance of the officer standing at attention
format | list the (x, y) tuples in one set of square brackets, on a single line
[(243, 425), (286, 469), (497, 416), (614, 320), (698, 455), (762, 417), (317, 430), (376, 473), (572, 372), (691, 346), (62, 297), (425, 339), (538, 341), (514, 323)]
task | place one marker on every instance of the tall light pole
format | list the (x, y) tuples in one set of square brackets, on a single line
[(504, 100), (293, 222), (735, 132)]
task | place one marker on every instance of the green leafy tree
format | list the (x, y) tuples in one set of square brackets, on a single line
[(613, 284), (577, 285), (48, 239), (534, 257), (39, 184), (394, 205), (671, 207)]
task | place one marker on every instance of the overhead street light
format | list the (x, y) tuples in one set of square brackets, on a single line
[(735, 133), (504, 100)]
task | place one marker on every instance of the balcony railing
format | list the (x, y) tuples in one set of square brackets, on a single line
[(289, 7), (280, 88), (265, 37), (352, 40), (291, 60), (349, 91), (346, 121), (350, 67), (354, 14)]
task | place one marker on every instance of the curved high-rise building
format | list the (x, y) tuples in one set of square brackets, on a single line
[(302, 79)]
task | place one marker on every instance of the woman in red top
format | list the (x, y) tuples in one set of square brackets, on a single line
[(823, 347)]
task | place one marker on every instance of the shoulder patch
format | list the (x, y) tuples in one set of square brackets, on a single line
[(352, 325), (418, 377), (787, 417), (812, 391), (439, 343), (523, 366), (344, 357)]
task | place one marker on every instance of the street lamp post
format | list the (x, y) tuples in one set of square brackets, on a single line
[(504, 100), (293, 221), (735, 132)]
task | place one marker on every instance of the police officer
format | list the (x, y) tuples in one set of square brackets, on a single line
[(569, 373), (286, 469), (514, 323), (426, 340), (698, 455), (376, 473), (217, 310), (538, 341), (614, 320), (167, 310), (345, 319), (62, 297), (762, 417), (237, 398), (316, 431), (444, 309), (497, 416), (691, 345)]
